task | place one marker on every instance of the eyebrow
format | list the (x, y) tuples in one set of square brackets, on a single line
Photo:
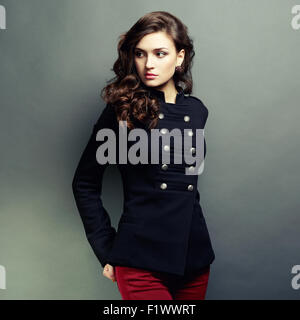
[(152, 50)]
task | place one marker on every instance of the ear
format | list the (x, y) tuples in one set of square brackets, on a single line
[(180, 57)]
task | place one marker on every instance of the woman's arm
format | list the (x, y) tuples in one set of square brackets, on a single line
[(87, 190)]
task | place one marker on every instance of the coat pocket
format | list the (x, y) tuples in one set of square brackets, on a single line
[(124, 245), (125, 218)]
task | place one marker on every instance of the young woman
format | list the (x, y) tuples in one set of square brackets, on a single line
[(162, 249)]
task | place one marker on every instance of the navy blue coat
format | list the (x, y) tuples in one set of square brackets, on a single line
[(162, 227)]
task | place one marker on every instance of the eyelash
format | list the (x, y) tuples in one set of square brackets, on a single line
[(164, 53)]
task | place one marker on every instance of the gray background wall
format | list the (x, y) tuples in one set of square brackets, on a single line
[(55, 57)]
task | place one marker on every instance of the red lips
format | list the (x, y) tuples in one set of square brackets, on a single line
[(150, 74)]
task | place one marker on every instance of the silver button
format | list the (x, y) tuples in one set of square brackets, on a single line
[(191, 168), (186, 118), (161, 116), (193, 150), (190, 133), (163, 186), (164, 166), (167, 147), (163, 130), (190, 187)]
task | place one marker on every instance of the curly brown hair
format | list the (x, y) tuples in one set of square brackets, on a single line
[(126, 92)]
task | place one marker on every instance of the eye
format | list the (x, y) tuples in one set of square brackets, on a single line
[(160, 52), (137, 53), (164, 53)]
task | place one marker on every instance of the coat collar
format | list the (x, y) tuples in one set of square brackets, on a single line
[(161, 95)]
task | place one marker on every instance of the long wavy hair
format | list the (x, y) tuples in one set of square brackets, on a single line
[(126, 92)]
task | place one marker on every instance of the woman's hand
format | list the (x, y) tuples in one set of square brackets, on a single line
[(109, 272)]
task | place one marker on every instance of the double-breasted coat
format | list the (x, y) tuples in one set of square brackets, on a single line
[(162, 226)]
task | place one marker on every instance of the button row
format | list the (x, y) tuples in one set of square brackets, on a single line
[(165, 130), (164, 186), (185, 118), (167, 148), (165, 167)]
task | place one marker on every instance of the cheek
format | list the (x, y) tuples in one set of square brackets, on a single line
[(168, 66), (138, 65)]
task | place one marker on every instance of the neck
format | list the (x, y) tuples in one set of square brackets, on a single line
[(169, 92)]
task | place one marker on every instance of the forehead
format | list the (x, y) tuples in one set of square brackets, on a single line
[(156, 40)]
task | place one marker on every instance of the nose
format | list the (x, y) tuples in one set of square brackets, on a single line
[(149, 64)]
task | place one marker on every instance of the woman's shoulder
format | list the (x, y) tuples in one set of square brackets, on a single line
[(199, 103), (107, 117)]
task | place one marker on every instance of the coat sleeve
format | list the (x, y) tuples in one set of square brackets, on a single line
[(87, 190)]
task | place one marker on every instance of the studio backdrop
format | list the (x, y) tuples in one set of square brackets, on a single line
[(56, 56)]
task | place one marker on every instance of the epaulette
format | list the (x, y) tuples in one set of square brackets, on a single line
[(193, 97), (202, 105)]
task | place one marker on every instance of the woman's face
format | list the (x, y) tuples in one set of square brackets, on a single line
[(156, 53)]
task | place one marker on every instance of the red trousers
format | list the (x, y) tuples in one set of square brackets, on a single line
[(140, 284)]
